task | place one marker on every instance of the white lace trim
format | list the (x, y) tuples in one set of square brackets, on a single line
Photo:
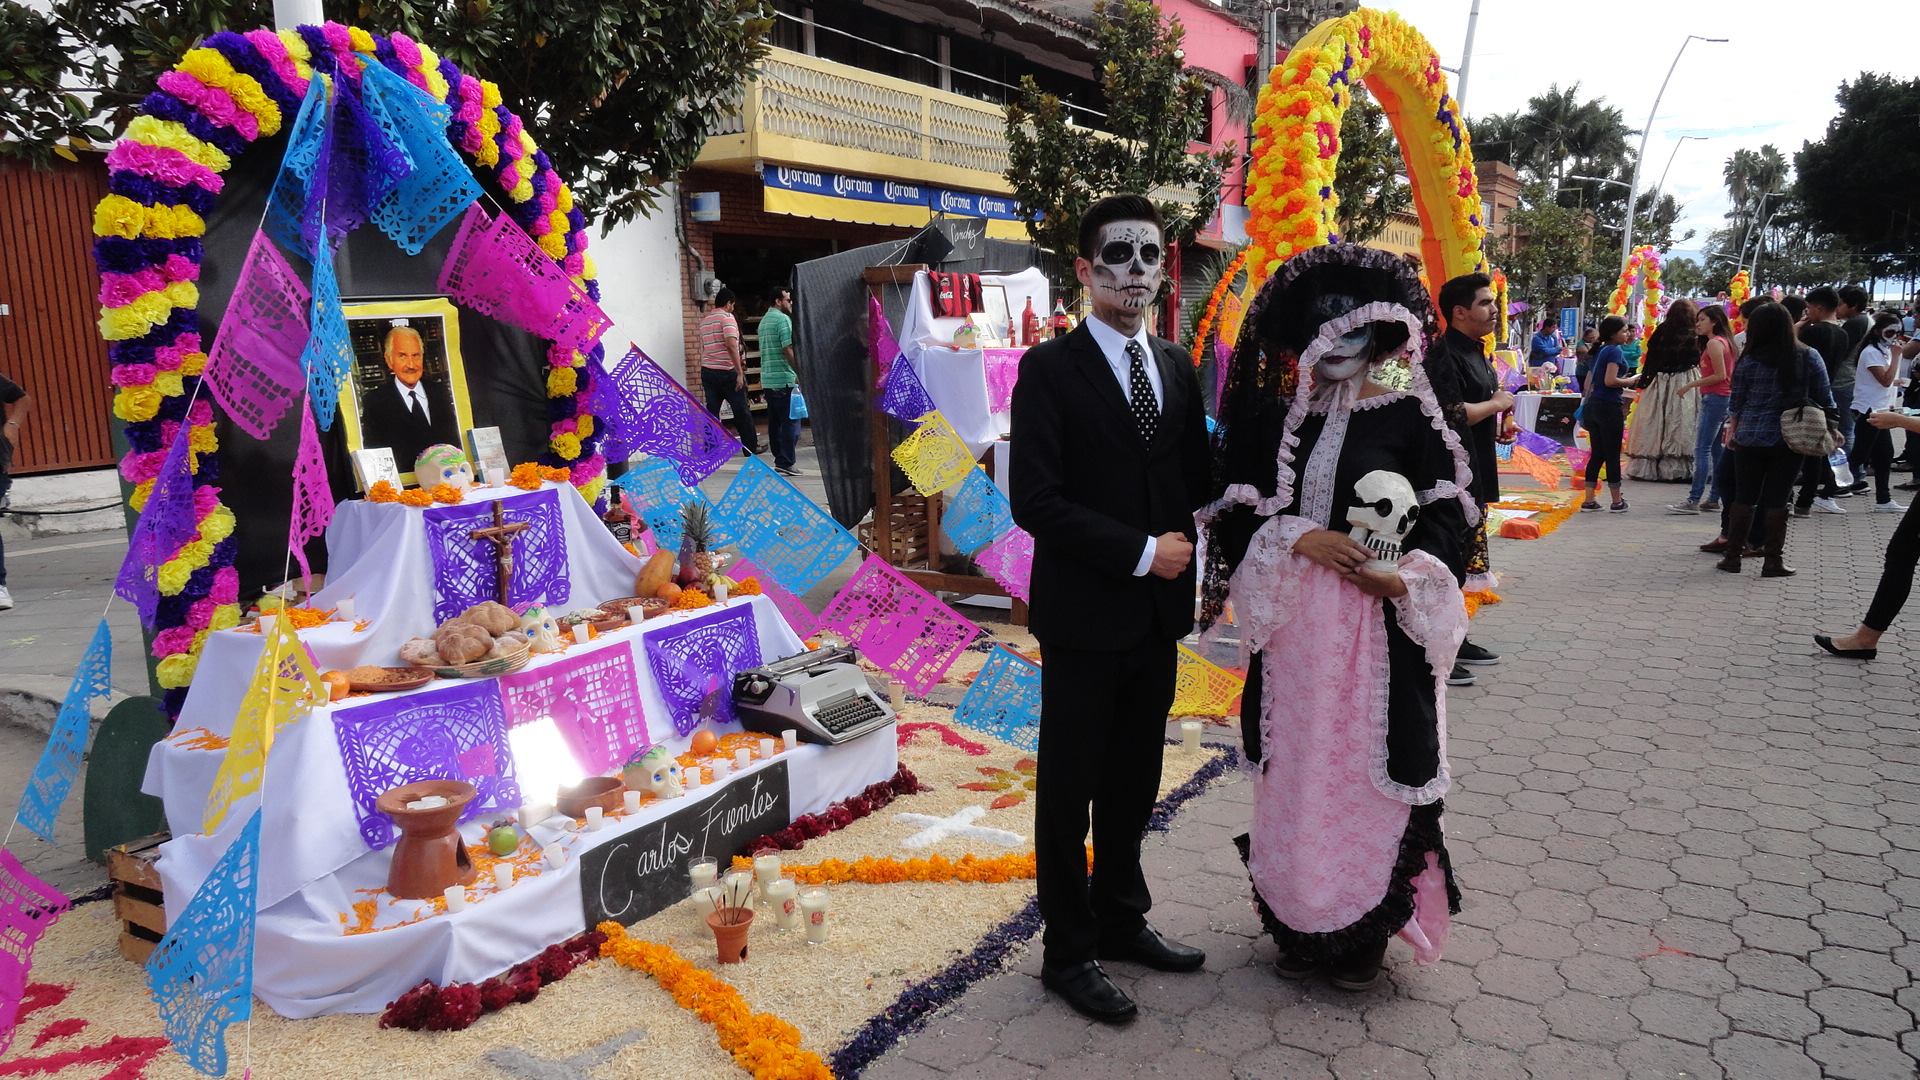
[(1434, 616), (1259, 611), (1445, 489)]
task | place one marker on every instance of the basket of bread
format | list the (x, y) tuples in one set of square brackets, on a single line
[(486, 639)]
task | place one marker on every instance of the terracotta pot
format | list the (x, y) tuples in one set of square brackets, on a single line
[(601, 791), (731, 937), (430, 854)]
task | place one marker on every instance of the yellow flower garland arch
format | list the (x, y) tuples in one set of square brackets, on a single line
[(1643, 262), (1296, 145)]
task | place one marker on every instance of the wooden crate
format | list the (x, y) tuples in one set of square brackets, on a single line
[(137, 898)]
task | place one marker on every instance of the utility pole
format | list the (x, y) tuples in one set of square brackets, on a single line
[(1633, 188), (1466, 58)]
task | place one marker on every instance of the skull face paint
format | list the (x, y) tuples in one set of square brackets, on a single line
[(1127, 267), (1347, 358)]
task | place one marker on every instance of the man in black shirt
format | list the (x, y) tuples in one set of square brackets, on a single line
[(1824, 334)]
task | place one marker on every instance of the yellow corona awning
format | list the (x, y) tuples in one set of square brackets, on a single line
[(833, 208)]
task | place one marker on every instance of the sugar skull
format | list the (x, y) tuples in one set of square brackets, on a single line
[(1383, 512), (442, 463), (538, 623), (655, 772)]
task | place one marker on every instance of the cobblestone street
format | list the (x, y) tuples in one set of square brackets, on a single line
[(1689, 845)]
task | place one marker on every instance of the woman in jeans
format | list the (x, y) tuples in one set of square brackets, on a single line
[(1775, 373), (1605, 413), (1878, 389), (1896, 578), (1716, 386)]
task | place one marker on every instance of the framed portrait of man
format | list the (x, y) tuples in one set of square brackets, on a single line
[(408, 389)]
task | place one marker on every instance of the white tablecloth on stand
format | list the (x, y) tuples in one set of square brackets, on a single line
[(956, 379), (310, 829)]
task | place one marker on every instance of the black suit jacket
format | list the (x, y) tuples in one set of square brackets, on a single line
[(386, 421), (1091, 493)]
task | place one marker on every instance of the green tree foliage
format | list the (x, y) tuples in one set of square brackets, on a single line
[(1861, 181), (621, 96), (1156, 107), (1370, 182), (1553, 243), (1684, 277), (1560, 134)]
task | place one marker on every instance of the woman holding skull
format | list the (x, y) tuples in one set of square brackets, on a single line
[(1338, 533)]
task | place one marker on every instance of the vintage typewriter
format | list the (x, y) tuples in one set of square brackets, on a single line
[(822, 694)]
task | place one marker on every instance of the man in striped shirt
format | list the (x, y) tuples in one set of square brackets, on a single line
[(723, 369)]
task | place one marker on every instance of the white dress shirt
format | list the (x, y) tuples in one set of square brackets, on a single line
[(414, 397), (1113, 346)]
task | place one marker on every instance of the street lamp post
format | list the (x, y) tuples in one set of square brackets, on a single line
[(1633, 188), (1662, 185), (1757, 211)]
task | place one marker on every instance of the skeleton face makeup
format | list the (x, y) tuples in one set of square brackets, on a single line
[(1126, 269), (1348, 357)]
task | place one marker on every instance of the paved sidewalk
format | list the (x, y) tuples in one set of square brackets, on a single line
[(1689, 844)]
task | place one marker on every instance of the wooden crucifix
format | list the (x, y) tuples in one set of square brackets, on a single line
[(500, 534)]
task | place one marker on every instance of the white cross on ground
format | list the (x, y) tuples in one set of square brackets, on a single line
[(961, 825)]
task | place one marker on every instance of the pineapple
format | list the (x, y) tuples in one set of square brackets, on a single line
[(697, 525)]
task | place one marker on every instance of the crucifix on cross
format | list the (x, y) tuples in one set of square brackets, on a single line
[(500, 534)]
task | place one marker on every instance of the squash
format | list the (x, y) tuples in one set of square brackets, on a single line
[(658, 571)]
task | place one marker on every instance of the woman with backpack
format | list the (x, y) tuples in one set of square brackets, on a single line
[(1775, 374)]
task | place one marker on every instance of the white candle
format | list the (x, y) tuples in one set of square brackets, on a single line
[(897, 694), (632, 799), (784, 896), (456, 898), (691, 778), (266, 624), (742, 758), (636, 615), (344, 609), (532, 814), (766, 748), (1190, 735), (739, 887), (706, 901), (580, 633), (813, 908), (502, 875), (702, 871), (720, 590), (594, 817), (555, 857), (766, 869), (791, 738)]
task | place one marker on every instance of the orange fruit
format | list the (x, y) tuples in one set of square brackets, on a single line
[(704, 741), (338, 685)]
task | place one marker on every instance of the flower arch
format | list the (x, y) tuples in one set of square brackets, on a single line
[(1738, 292), (166, 173), (1296, 144), (1644, 262)]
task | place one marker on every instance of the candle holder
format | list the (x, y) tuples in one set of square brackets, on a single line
[(1190, 735), (791, 737), (703, 871), (429, 855), (784, 897), (730, 926), (813, 909)]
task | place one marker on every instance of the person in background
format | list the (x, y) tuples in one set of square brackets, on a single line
[(778, 380), (1666, 423), (1878, 388), (1715, 385), (14, 404), (1775, 373), (1604, 413), (1822, 333), (723, 369), (1583, 357), (1546, 343), (1896, 574), (1856, 320)]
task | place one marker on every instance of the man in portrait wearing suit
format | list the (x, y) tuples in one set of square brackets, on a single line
[(1110, 462), (404, 413)]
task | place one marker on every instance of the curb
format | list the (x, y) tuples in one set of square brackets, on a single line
[(32, 702)]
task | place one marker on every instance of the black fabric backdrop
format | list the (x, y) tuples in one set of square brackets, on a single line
[(505, 367), (830, 319)]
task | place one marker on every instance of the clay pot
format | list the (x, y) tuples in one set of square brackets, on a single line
[(731, 937), (601, 791), (430, 854)]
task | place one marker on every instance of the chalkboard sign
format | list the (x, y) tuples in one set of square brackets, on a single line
[(645, 871)]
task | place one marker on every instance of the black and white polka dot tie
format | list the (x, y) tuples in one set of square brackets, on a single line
[(1146, 412)]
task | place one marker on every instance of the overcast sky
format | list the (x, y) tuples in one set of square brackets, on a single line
[(1774, 81)]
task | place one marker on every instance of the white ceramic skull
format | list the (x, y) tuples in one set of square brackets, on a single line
[(1127, 267), (1384, 510), (655, 772), (541, 629)]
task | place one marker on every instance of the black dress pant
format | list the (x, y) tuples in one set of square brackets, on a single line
[(1765, 476), (720, 386), (1896, 579), (1103, 718), (1873, 453)]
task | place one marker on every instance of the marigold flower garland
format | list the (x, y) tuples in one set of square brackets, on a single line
[(1643, 263), (1500, 308), (1738, 290), (1296, 142), (163, 178), (1203, 330), (762, 1044)]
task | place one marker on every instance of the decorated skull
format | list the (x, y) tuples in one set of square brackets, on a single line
[(1383, 512), (1128, 267), (443, 463), (538, 623), (655, 772)]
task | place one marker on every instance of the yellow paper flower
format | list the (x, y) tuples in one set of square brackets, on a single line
[(168, 383), (142, 491), (174, 135), (176, 671), (561, 382), (566, 446), (583, 426), (119, 216), (218, 524), (225, 617), (173, 576), (135, 403), (193, 363)]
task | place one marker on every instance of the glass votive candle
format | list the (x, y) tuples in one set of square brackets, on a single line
[(766, 748), (636, 616), (784, 896), (456, 896), (554, 856), (581, 632), (897, 694), (813, 908), (343, 610), (766, 870), (595, 816), (692, 778), (1190, 735), (791, 737), (742, 758), (739, 887), (703, 871), (502, 875), (632, 800), (706, 901), (266, 624)]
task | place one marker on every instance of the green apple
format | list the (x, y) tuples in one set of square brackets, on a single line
[(504, 840)]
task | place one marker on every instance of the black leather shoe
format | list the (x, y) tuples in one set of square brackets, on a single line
[(1291, 966), (1359, 970), (1149, 948), (1826, 643), (1086, 987)]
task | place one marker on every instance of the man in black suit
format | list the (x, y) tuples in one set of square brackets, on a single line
[(1109, 464), (403, 413)]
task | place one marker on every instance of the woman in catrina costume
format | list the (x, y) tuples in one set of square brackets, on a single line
[(1338, 534)]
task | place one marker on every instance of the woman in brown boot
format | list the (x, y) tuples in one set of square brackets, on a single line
[(1775, 373)]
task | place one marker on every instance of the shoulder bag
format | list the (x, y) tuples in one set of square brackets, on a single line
[(1806, 428)]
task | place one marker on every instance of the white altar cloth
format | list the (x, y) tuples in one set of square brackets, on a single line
[(309, 830), (956, 379), (304, 965)]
